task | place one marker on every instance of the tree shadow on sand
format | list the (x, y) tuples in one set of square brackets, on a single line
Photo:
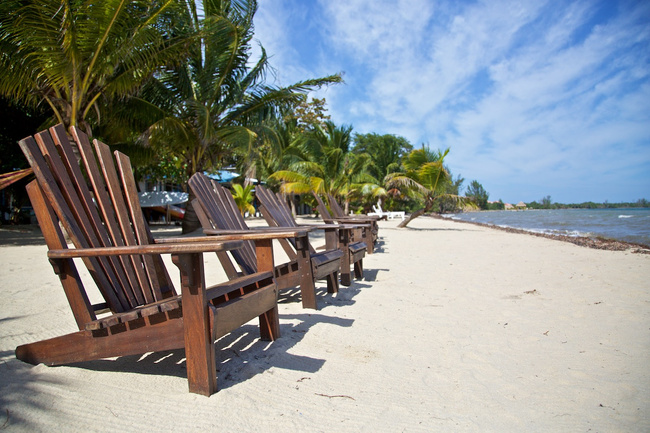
[(20, 389)]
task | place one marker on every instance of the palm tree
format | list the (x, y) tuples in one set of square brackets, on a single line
[(75, 56), (327, 166), (386, 154), (213, 106), (425, 177)]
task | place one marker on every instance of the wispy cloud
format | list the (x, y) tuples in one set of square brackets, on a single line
[(534, 98)]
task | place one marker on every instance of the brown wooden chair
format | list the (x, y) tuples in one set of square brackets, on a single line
[(277, 214), (338, 212), (97, 205), (219, 214), (362, 228)]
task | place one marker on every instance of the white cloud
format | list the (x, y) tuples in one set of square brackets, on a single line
[(530, 95)]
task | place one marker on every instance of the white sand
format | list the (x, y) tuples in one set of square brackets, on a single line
[(455, 328)]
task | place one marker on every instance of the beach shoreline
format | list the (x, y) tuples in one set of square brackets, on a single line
[(455, 327), (595, 242)]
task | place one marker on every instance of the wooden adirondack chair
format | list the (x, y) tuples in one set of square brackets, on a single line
[(362, 228), (277, 214), (338, 212), (97, 205), (219, 214)]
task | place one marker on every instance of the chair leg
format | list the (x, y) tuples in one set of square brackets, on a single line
[(346, 276), (333, 282), (344, 243), (307, 286), (270, 325), (358, 269), (199, 346), (367, 238)]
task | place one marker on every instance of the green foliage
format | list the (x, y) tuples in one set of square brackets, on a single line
[(385, 151), (324, 164), (478, 194), (427, 179), (425, 174), (448, 202), (243, 198), (641, 203), (77, 56), (213, 106), (498, 205), (161, 165), (309, 115)]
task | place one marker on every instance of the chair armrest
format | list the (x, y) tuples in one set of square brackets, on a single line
[(353, 225), (209, 245), (254, 234), (320, 226), (366, 217)]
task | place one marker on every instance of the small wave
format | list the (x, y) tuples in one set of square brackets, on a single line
[(626, 216)]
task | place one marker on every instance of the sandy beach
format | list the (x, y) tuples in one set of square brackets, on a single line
[(455, 327)]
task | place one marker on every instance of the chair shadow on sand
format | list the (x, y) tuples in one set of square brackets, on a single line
[(240, 355)]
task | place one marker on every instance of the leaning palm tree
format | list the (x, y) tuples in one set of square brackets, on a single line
[(213, 105), (425, 177), (74, 56)]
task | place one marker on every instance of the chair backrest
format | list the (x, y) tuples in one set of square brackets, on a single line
[(325, 213), (279, 213), (336, 208), (221, 212), (97, 205)]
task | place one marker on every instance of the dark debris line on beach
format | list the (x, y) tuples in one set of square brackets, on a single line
[(597, 243)]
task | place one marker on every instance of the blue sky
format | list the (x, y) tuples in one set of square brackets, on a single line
[(534, 98)]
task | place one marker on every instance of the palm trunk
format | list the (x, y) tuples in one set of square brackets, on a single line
[(417, 213), (410, 218)]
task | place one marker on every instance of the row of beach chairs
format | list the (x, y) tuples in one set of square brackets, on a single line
[(91, 197)]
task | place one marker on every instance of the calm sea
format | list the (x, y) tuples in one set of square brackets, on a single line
[(629, 225)]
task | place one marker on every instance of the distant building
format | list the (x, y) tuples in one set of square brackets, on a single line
[(508, 206), (521, 206)]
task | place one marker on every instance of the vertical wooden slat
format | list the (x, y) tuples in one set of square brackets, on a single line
[(67, 271), (164, 281), (229, 211), (120, 283), (139, 226), (56, 197), (108, 211), (113, 183), (206, 222), (287, 246), (218, 205)]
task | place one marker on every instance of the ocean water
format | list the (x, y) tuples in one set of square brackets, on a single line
[(629, 225)]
